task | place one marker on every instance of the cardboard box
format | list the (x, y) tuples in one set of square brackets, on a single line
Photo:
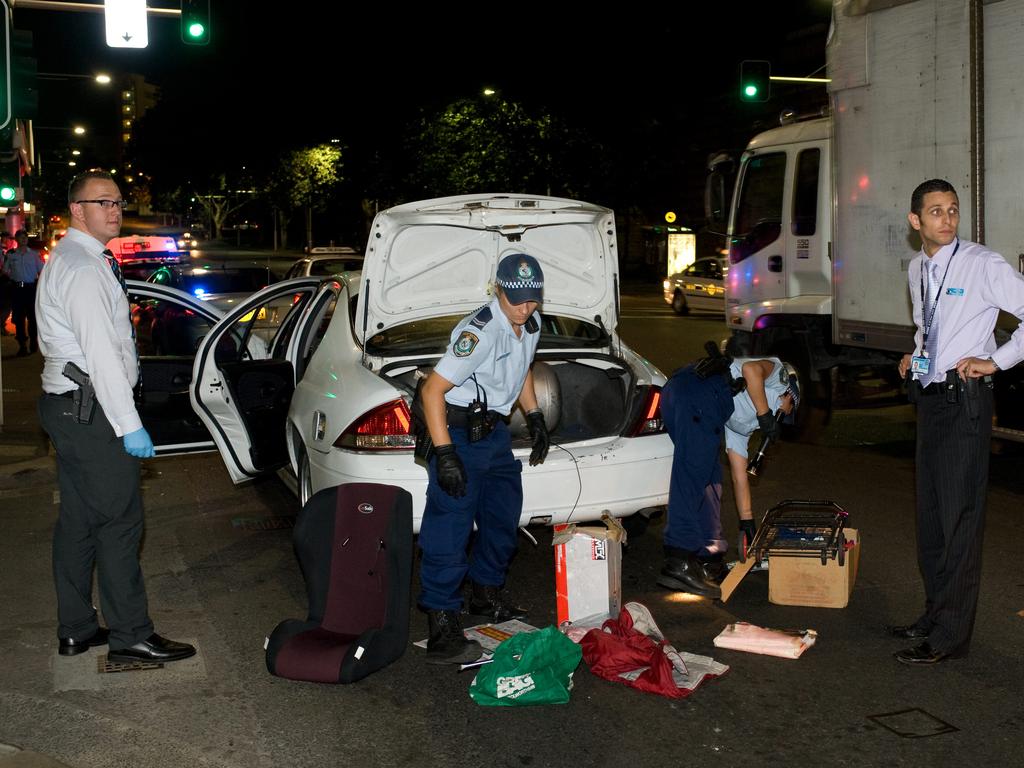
[(588, 570), (805, 581)]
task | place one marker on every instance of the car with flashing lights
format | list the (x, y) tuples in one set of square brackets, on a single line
[(324, 264), (222, 286), (325, 399), (701, 286)]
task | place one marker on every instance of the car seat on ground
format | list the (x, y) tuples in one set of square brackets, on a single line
[(354, 545)]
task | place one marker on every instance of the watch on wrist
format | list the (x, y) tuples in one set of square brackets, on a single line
[(995, 364)]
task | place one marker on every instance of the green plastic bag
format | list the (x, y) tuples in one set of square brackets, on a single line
[(528, 668)]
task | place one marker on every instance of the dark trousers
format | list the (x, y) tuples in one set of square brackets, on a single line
[(100, 523), (952, 485), (493, 501), (23, 313), (695, 411)]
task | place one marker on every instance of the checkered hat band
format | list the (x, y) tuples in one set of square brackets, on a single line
[(514, 284)]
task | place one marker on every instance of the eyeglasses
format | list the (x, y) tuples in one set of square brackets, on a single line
[(106, 205)]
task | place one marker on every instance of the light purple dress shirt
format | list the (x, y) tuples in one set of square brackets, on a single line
[(977, 285)]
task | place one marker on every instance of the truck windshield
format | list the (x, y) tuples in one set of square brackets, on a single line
[(758, 219)]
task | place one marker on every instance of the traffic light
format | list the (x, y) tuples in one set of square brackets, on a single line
[(195, 22), (755, 80), (8, 182), (23, 71), (5, 64)]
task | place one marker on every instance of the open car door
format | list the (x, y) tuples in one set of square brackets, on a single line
[(243, 379), (169, 326)]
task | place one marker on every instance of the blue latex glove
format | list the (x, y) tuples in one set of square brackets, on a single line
[(138, 444)]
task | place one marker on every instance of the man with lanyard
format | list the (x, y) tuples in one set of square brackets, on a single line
[(23, 265), (697, 404), (957, 289), (473, 476), (85, 335)]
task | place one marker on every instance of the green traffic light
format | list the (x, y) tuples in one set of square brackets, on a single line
[(7, 194), (196, 29), (750, 91)]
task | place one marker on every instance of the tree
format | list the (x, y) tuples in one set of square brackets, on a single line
[(305, 179), (494, 145), (220, 201)]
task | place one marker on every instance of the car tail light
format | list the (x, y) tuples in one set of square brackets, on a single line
[(385, 428), (648, 421)]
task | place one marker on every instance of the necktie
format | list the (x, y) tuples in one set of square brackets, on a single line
[(116, 269), (931, 346)]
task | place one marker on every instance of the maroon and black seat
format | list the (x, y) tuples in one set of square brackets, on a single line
[(354, 545)]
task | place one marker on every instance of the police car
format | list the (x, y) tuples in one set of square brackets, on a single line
[(327, 394)]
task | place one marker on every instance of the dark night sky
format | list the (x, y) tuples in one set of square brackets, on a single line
[(284, 74)]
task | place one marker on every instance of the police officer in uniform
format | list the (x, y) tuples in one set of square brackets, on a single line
[(473, 476), (85, 335), (23, 265), (699, 403)]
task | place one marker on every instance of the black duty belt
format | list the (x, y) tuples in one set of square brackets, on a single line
[(458, 417), (69, 394)]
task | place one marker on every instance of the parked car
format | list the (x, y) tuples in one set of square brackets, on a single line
[(324, 264), (328, 394), (222, 286), (700, 286)]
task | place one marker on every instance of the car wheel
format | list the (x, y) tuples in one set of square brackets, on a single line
[(679, 305), (305, 480)]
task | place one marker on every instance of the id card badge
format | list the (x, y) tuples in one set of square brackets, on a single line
[(920, 365)]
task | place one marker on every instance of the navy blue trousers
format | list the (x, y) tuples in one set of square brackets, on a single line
[(493, 501), (695, 411)]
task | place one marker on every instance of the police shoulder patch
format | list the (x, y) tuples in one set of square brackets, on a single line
[(482, 318), (465, 344)]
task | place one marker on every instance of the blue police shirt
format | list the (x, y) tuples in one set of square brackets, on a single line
[(485, 344), (743, 422), (23, 265)]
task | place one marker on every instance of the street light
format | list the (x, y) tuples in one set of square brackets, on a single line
[(78, 130), (100, 77)]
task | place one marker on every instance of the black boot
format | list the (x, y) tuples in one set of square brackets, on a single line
[(488, 604), (684, 573), (714, 568), (447, 644)]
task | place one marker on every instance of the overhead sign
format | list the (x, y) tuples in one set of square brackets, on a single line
[(670, 216), (126, 23)]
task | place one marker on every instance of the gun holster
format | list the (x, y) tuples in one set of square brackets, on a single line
[(424, 448), (84, 397)]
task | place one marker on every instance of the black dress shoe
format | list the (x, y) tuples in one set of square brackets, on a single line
[(686, 574), (153, 649), (924, 654), (909, 632), (71, 647)]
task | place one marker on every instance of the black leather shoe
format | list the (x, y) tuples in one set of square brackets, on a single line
[(924, 654), (488, 604), (71, 647), (908, 632), (153, 649), (685, 574)]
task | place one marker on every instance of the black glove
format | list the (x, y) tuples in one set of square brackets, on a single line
[(768, 425), (451, 475), (748, 529), (539, 433)]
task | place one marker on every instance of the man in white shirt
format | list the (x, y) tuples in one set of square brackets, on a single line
[(85, 331), (957, 289)]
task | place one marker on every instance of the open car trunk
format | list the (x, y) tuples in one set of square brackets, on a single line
[(584, 396)]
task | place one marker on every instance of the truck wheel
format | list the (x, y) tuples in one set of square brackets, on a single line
[(679, 305), (816, 396)]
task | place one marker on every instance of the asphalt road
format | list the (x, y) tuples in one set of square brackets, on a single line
[(220, 572)]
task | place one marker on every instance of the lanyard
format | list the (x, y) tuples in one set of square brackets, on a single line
[(928, 317)]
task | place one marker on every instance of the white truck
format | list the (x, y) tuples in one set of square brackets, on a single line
[(818, 236)]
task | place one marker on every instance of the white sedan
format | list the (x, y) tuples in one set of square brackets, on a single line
[(700, 286), (329, 393)]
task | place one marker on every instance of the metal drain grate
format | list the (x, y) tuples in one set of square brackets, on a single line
[(105, 666), (272, 523)]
